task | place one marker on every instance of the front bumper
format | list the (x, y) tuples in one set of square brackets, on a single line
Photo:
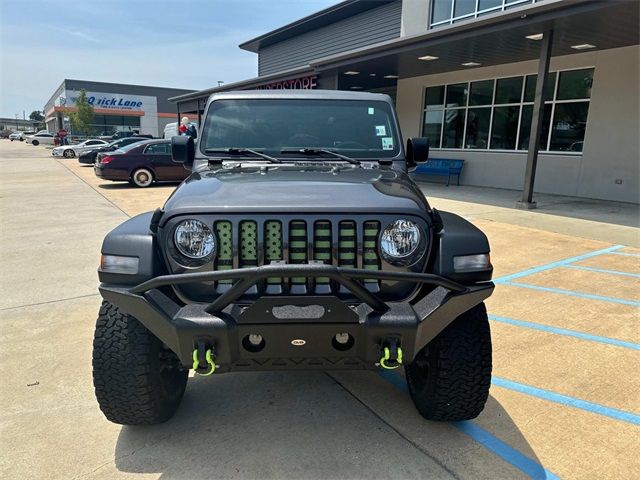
[(298, 332)]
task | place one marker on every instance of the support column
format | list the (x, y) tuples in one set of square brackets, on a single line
[(526, 202)]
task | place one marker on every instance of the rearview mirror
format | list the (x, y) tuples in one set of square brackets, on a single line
[(183, 150), (417, 150)]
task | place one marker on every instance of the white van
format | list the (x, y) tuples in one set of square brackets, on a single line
[(171, 129)]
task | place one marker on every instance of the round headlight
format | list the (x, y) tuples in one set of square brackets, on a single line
[(400, 242), (194, 239)]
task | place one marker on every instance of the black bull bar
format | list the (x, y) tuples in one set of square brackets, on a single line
[(298, 331)]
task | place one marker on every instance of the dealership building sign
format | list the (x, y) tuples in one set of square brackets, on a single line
[(107, 100), (301, 83)]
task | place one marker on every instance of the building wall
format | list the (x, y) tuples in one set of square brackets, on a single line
[(611, 148), (373, 26)]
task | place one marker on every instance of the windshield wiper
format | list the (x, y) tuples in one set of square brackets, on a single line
[(318, 151), (241, 151)]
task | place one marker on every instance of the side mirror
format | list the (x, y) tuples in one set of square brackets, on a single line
[(417, 150), (183, 150)]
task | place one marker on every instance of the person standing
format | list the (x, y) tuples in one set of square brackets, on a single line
[(62, 135), (184, 126)]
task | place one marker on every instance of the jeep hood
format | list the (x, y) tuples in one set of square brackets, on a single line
[(287, 188)]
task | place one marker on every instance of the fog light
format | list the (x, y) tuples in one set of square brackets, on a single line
[(118, 264), (472, 263)]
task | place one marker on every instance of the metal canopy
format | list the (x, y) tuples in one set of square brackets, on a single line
[(492, 40)]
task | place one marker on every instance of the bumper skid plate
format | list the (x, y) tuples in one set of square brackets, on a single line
[(296, 332)]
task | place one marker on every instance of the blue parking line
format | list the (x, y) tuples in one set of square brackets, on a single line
[(627, 254), (559, 263), (566, 400), (568, 333), (487, 440), (603, 270), (571, 293)]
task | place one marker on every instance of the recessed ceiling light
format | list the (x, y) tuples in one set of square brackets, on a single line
[(471, 64), (351, 72), (428, 58), (356, 88), (583, 46), (536, 36), (391, 76), (372, 74)]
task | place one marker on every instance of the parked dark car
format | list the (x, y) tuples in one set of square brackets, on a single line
[(89, 158), (141, 164)]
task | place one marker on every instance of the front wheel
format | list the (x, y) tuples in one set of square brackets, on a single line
[(142, 177), (137, 380), (68, 153), (35, 142), (449, 379)]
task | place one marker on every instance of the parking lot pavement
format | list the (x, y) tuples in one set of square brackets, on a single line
[(563, 404)]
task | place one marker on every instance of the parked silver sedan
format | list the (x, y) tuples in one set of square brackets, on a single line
[(70, 151)]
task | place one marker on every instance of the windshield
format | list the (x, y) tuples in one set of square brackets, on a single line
[(355, 128)]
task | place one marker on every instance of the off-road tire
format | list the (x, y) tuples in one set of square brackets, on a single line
[(137, 380), (449, 379)]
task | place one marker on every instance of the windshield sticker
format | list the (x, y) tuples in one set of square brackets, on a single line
[(381, 131), (371, 110), (387, 143)]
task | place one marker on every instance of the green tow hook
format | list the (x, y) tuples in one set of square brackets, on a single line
[(198, 366), (387, 356)]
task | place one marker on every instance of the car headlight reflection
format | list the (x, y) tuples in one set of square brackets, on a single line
[(402, 242), (195, 240)]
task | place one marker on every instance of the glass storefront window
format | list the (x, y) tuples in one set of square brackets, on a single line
[(509, 90), (457, 95), (110, 124), (453, 128), (481, 93), (477, 135), (441, 10), (445, 12), (496, 114), (504, 130), (432, 127), (530, 87), (575, 84), (464, 7), (525, 127), (569, 124)]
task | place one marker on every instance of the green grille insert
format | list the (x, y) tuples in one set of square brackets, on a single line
[(248, 244), (298, 247), (370, 258), (224, 260), (347, 244), (322, 246), (273, 246)]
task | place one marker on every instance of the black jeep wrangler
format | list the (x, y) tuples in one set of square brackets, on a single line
[(298, 242)]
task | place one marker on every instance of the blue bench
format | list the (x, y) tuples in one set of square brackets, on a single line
[(441, 166)]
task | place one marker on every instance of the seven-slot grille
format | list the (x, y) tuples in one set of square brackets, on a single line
[(250, 243)]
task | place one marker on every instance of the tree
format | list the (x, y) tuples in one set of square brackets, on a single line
[(82, 118), (36, 116)]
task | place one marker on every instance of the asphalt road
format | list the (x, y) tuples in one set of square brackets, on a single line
[(564, 400)]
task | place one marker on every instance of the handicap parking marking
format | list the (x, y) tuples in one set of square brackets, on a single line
[(550, 396), (561, 291), (627, 254), (489, 441), (602, 270), (556, 264), (565, 332)]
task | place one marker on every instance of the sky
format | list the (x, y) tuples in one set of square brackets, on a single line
[(181, 43)]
